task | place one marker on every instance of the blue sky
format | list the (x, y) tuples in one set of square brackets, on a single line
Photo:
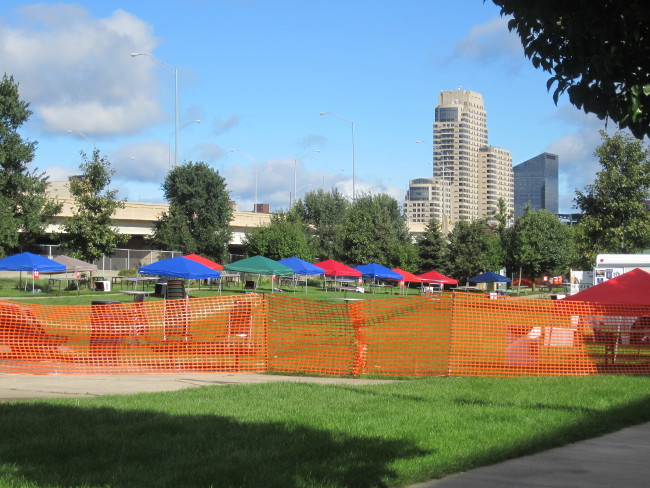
[(257, 74)]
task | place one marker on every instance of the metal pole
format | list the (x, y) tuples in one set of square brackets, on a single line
[(354, 194), (176, 119)]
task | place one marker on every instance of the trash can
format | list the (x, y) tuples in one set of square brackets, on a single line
[(102, 285), (107, 329), (160, 289)]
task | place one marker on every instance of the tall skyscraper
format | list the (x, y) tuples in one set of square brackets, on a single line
[(469, 176), (536, 183)]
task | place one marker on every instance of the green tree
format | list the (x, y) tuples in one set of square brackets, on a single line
[(598, 52), (199, 214), (89, 233), (375, 232), (504, 218), (281, 238), (432, 248), (473, 248), (541, 244), (324, 214), (25, 208), (615, 219)]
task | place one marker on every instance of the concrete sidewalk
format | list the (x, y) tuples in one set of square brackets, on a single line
[(25, 387), (620, 459)]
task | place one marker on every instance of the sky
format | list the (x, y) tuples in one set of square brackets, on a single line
[(255, 75)]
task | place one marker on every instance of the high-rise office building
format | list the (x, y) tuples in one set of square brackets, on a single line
[(469, 176), (536, 183)]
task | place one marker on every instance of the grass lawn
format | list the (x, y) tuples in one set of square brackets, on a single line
[(9, 290), (307, 435)]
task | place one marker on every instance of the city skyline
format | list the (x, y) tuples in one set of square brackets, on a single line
[(258, 74)]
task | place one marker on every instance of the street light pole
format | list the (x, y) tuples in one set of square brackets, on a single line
[(197, 121), (175, 72), (295, 163), (71, 131), (351, 124), (254, 164)]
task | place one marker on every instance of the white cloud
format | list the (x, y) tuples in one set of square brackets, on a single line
[(76, 70), (275, 183), (147, 161), (577, 164), (490, 42)]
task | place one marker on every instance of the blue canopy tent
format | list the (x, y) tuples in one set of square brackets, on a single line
[(378, 272), (179, 267), (489, 277), (29, 262), (301, 267)]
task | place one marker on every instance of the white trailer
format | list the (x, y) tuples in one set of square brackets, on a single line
[(610, 266)]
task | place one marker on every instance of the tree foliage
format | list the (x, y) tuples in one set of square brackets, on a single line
[(541, 244), (89, 233), (598, 52), (615, 219), (199, 214), (375, 231), (25, 209), (473, 248), (324, 214), (281, 238), (432, 248)]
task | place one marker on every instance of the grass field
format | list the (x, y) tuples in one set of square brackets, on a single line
[(9, 289), (307, 435)]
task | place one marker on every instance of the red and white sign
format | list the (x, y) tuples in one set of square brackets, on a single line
[(35, 273)]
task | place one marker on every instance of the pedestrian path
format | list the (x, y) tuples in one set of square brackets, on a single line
[(620, 459)]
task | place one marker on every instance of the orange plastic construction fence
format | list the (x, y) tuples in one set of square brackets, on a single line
[(458, 334)]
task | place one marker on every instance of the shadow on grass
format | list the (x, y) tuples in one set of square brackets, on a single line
[(52, 445)]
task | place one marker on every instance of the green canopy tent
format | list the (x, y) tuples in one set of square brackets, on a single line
[(259, 265)]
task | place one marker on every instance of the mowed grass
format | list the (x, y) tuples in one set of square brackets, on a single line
[(307, 435), (85, 297)]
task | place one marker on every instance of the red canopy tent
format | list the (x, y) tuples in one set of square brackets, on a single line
[(408, 277), (630, 287), (204, 261), (438, 277), (334, 268)]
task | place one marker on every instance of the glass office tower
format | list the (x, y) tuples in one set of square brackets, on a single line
[(536, 183)]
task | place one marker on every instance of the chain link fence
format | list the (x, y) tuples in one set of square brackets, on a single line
[(121, 258)]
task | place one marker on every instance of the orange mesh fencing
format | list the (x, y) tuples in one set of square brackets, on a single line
[(460, 334), (186, 335)]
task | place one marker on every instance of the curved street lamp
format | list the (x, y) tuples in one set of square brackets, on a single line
[(197, 121), (175, 72), (295, 162)]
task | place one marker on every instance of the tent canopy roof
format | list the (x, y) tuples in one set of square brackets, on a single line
[(300, 266), (204, 261), (374, 270), (73, 265), (409, 277), (334, 268), (259, 265), (489, 277), (630, 287), (29, 262), (438, 277), (179, 267)]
